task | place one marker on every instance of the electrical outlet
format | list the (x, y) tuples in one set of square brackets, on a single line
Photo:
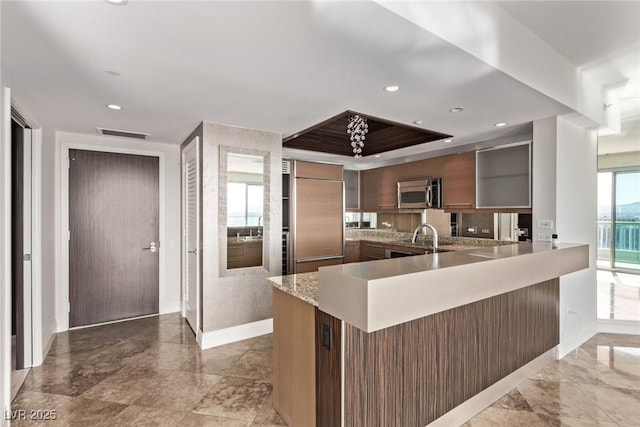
[(486, 231), (547, 224), (473, 230), (544, 237)]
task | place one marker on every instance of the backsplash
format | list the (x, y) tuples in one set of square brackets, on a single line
[(395, 236), (479, 225)]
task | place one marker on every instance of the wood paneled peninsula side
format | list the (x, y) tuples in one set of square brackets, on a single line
[(414, 341)]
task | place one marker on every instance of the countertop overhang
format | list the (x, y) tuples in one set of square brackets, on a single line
[(378, 294)]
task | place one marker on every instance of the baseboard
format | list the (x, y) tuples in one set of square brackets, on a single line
[(234, 333), (619, 326), (473, 406), (171, 308)]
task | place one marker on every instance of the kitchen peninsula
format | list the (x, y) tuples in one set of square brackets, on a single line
[(401, 342)]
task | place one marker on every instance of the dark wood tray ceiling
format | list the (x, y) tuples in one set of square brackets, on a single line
[(330, 136)]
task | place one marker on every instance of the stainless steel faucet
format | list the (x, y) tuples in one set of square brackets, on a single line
[(433, 230)]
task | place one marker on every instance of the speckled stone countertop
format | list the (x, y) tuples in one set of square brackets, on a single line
[(404, 239), (303, 286)]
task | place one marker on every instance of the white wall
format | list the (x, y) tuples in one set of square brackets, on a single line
[(564, 190), (543, 170), (576, 207), (169, 212), (5, 245)]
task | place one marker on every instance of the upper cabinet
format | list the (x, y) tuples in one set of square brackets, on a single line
[(351, 189), (316, 170), (459, 182), (503, 176), (379, 187)]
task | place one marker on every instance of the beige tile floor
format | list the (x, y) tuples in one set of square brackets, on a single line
[(618, 296), (151, 372)]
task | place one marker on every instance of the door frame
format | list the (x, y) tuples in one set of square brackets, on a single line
[(35, 314), (62, 287), (183, 248)]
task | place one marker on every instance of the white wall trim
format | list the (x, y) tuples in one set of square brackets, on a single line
[(619, 326), (476, 404), (234, 333), (37, 354), (62, 262), (5, 253)]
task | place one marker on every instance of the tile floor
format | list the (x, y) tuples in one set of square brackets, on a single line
[(618, 296), (597, 384), (151, 372)]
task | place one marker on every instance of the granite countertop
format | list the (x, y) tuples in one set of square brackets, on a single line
[(448, 243), (241, 241), (303, 286)]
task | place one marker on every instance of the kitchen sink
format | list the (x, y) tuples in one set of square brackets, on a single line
[(250, 238), (438, 251)]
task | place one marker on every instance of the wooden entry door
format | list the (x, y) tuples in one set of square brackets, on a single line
[(114, 236)]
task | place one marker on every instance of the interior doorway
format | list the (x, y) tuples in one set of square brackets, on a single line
[(21, 255)]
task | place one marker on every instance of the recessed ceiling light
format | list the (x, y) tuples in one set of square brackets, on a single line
[(456, 109), (377, 156), (114, 107), (448, 140), (417, 122), (117, 2), (392, 88), (501, 124)]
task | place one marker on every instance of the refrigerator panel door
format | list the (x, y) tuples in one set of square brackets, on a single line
[(319, 218)]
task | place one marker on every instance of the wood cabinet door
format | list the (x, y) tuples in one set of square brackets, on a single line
[(318, 170), (459, 182), (352, 253), (319, 218), (369, 190), (387, 188), (371, 251)]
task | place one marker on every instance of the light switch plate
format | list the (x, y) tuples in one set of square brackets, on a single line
[(547, 224)]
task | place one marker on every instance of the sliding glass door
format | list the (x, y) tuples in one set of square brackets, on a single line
[(619, 220)]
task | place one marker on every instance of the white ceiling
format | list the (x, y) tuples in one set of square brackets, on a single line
[(584, 32), (278, 66)]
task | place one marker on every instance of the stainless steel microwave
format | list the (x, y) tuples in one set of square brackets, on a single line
[(420, 194)]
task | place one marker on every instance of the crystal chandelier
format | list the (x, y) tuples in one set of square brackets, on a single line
[(357, 129)]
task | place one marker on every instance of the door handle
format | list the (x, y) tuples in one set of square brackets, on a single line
[(152, 247)]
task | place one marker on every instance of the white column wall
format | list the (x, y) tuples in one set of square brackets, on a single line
[(564, 191), (576, 210)]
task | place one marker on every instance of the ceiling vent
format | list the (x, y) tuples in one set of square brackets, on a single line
[(122, 133)]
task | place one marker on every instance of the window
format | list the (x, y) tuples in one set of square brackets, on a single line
[(245, 204)]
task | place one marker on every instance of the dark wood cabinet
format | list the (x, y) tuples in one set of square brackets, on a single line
[(244, 254), (371, 251), (352, 252), (459, 182), (369, 190)]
